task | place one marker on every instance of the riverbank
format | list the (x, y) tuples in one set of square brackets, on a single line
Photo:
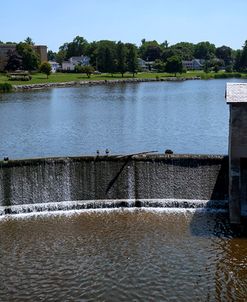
[(39, 81), (93, 82)]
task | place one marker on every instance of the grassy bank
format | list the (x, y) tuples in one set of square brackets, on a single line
[(38, 78)]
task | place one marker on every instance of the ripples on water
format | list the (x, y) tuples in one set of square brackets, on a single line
[(122, 255), (187, 117)]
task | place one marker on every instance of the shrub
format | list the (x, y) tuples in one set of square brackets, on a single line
[(5, 87)]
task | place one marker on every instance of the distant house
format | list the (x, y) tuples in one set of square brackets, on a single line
[(144, 65), (73, 61), (54, 66), (195, 64)]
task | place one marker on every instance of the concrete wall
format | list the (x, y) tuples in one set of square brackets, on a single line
[(5, 49), (93, 178), (237, 153)]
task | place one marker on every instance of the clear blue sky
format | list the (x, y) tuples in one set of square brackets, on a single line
[(53, 22)]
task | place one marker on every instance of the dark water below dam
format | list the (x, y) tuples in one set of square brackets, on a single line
[(187, 117), (122, 255)]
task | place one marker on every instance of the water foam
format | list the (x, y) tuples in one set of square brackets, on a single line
[(77, 207)]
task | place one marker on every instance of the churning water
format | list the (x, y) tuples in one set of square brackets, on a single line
[(187, 117), (122, 255)]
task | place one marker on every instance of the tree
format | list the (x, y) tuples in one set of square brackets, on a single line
[(14, 61), (88, 70), (77, 47), (224, 53), (174, 65), (60, 56), (204, 50), (237, 63), (45, 68), (159, 66), (184, 50), (121, 58), (244, 57), (150, 50), (132, 59), (29, 41), (106, 56), (30, 59), (51, 55), (206, 67)]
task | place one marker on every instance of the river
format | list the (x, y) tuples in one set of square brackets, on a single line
[(186, 117), (122, 255)]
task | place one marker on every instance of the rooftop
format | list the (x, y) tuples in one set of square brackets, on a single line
[(236, 93)]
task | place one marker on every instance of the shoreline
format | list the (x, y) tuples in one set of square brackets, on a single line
[(96, 82)]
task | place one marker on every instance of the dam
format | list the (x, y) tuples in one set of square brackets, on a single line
[(137, 226), (155, 180)]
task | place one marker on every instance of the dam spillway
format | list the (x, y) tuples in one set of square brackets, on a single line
[(113, 181)]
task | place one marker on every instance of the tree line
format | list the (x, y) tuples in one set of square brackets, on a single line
[(111, 56)]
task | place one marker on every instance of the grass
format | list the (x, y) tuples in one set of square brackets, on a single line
[(38, 78)]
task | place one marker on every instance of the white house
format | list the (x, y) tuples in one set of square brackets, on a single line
[(73, 61), (54, 66)]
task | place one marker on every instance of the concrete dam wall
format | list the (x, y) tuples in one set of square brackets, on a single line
[(136, 178)]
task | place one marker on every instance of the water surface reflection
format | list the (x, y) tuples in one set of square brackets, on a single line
[(123, 255)]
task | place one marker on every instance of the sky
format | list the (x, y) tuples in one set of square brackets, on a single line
[(54, 22)]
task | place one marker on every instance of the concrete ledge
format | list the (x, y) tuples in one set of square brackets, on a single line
[(140, 177)]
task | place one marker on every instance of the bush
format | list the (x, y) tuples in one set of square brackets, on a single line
[(5, 87), (227, 75)]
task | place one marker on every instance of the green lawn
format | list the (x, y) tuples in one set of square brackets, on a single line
[(67, 77)]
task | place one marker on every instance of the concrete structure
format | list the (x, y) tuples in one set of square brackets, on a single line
[(6, 49), (177, 179), (236, 97), (73, 61)]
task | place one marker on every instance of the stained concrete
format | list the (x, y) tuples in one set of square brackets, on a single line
[(45, 180)]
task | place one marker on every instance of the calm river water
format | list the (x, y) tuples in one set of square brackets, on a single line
[(122, 255), (187, 117)]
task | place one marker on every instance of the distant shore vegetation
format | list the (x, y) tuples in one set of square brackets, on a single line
[(119, 60)]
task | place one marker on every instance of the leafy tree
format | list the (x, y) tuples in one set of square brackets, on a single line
[(244, 57), (121, 58), (91, 52), (88, 70), (165, 44), (174, 65), (224, 53), (206, 67), (159, 66), (106, 56), (150, 50), (30, 58), (60, 56), (132, 59), (238, 59), (77, 47), (51, 55), (14, 61), (184, 50), (204, 50), (229, 68), (45, 68), (29, 41)]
